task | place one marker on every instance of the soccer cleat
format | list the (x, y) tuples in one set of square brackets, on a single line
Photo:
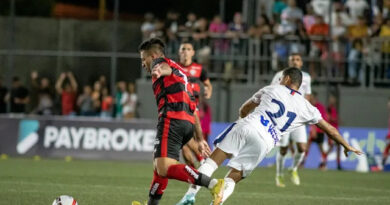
[(217, 192), (188, 199), (280, 181), (138, 203), (295, 178)]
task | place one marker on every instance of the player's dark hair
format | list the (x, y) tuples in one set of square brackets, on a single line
[(187, 42), (295, 75), (155, 44), (295, 54)]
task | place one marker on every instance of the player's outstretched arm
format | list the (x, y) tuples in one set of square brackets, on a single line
[(247, 107), (204, 148), (161, 69), (334, 134), (208, 88)]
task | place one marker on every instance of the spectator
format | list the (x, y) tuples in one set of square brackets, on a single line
[(265, 7), (339, 12), (159, 31), (120, 99), (45, 95), (97, 96), (103, 81), (107, 103), (321, 7), (3, 93), (19, 96), (217, 28), (191, 23), (201, 41), (359, 30), (171, 29), (237, 27), (277, 9), (385, 33), (85, 102), (68, 91), (382, 9), (317, 33), (338, 46), (309, 19), (290, 15), (354, 60), (130, 104), (147, 26), (261, 27), (357, 8)]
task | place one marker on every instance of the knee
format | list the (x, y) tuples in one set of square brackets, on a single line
[(302, 148), (283, 151), (161, 169)]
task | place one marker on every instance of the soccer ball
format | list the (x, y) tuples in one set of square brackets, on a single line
[(64, 200)]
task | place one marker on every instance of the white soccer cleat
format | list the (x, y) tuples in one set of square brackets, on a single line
[(188, 199), (280, 181), (295, 178)]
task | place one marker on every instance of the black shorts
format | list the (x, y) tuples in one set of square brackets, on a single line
[(172, 134), (320, 138)]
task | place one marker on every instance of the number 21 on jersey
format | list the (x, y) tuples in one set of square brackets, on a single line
[(282, 110)]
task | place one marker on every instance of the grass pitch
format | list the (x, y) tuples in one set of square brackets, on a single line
[(25, 181)]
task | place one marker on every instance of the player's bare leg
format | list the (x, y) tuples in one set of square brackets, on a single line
[(298, 158), (168, 168), (207, 168), (187, 155), (385, 154), (280, 158)]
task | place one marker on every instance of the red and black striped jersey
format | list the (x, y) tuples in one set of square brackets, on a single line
[(196, 74), (173, 93)]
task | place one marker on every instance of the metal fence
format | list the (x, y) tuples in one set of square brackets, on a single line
[(364, 62)]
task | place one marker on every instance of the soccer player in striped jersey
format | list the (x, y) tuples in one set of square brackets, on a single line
[(197, 75), (176, 108)]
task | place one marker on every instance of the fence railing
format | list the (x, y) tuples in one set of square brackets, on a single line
[(364, 62)]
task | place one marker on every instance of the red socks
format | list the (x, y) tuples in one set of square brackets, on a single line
[(183, 173), (199, 157), (158, 186)]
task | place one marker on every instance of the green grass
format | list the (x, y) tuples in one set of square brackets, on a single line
[(25, 181)]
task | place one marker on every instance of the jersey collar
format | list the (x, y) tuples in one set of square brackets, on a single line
[(293, 91)]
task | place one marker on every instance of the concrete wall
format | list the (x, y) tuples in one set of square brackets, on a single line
[(358, 108)]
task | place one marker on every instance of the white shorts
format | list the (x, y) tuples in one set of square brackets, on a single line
[(245, 144), (297, 135)]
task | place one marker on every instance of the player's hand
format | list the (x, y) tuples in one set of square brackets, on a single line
[(156, 71), (204, 148), (207, 93), (351, 149)]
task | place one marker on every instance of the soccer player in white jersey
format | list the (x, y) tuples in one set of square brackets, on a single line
[(264, 118), (299, 136)]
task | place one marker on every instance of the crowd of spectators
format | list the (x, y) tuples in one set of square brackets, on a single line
[(342, 34), (64, 97)]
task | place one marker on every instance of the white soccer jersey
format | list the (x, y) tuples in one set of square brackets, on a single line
[(281, 110), (305, 88)]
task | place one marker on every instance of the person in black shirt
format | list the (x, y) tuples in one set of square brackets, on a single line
[(3, 93), (19, 96)]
